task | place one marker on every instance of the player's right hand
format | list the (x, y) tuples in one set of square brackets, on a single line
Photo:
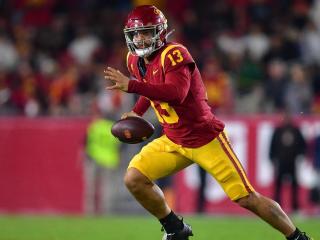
[(119, 80), (129, 114)]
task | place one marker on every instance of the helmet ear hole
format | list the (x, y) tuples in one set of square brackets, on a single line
[(165, 26), (160, 28)]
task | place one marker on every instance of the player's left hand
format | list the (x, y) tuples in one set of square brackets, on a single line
[(120, 81)]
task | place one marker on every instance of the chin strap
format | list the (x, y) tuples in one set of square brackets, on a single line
[(169, 33), (144, 52)]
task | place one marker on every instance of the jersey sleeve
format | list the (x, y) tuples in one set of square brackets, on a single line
[(174, 56), (141, 106), (173, 90)]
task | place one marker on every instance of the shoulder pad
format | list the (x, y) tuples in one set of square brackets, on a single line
[(174, 56)]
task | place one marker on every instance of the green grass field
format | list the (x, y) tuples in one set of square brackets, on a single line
[(139, 228)]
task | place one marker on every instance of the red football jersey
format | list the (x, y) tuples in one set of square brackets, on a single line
[(172, 85)]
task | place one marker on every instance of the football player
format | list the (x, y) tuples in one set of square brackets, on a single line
[(166, 77)]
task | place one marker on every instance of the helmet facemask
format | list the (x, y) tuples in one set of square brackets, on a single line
[(145, 47)]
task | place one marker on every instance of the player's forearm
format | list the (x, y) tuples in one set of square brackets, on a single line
[(160, 92)]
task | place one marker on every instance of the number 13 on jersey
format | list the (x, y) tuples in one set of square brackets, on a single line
[(165, 113), (176, 57)]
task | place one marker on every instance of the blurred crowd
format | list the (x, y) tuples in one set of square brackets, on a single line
[(256, 56)]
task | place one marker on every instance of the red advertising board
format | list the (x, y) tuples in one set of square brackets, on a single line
[(40, 170)]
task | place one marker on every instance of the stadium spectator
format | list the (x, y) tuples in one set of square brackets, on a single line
[(260, 12), (298, 94), (250, 74), (276, 50), (276, 85), (252, 102), (83, 46), (219, 87), (8, 53), (62, 89), (100, 166), (310, 44), (287, 145), (315, 75), (315, 13), (256, 42)]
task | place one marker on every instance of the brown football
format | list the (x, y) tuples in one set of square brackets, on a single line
[(132, 130)]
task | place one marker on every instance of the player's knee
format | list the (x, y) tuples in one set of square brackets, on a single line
[(249, 201), (135, 181)]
